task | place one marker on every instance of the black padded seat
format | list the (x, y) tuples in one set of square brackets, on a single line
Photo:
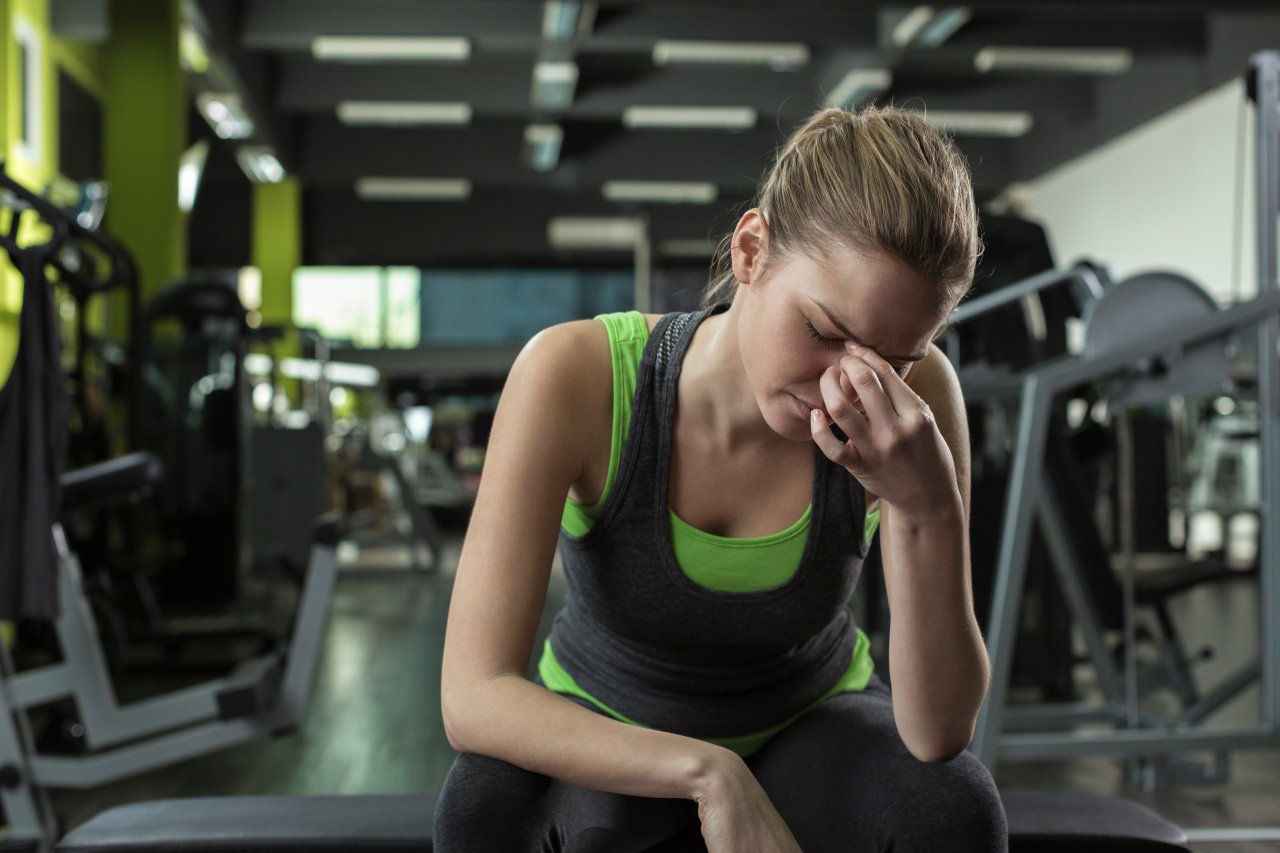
[(1062, 821), (1039, 822), (280, 824)]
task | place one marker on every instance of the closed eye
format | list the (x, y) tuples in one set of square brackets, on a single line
[(821, 338), (831, 343)]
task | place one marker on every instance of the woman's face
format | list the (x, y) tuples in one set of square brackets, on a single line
[(794, 325)]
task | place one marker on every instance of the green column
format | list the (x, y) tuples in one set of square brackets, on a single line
[(144, 119), (277, 246), (10, 284)]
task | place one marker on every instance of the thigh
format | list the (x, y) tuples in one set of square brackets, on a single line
[(488, 805), (843, 781)]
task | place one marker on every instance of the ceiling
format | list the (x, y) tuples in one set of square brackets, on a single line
[(264, 48)]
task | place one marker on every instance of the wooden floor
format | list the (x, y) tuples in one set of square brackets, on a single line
[(374, 725)]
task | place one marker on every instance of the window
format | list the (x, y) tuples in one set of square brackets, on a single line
[(31, 113), (369, 307)]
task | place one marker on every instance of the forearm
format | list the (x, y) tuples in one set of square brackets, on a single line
[(937, 659), (522, 723)]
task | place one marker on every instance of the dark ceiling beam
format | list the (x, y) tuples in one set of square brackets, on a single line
[(500, 87), (495, 228), (1168, 31), (292, 24)]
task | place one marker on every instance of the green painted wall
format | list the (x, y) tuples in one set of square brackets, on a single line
[(277, 245), (144, 135), (34, 169)]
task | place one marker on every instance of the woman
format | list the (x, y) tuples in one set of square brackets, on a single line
[(724, 470)]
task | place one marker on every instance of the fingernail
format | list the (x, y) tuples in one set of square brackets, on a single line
[(814, 416), (851, 346)]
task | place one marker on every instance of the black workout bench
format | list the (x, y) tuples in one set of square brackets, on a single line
[(1039, 822)]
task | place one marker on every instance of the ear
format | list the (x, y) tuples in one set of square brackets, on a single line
[(750, 245)]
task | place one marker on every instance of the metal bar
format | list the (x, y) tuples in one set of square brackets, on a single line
[(90, 771), (1152, 741), (25, 808), (1058, 715), (1084, 275), (1265, 67), (1011, 567), (106, 723), (40, 686), (1232, 834), (1066, 564), (1220, 694), (307, 641), (1061, 375)]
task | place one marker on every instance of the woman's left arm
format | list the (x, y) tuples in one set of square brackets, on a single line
[(909, 445)]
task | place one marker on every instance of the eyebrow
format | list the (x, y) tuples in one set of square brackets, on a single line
[(851, 336)]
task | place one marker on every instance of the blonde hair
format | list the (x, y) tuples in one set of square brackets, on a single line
[(882, 178)]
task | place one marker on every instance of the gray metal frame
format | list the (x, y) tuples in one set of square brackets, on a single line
[(143, 735), (1025, 500)]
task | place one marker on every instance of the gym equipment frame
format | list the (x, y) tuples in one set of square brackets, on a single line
[(1137, 365), (266, 695)]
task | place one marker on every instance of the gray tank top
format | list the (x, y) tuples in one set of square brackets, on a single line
[(645, 640)]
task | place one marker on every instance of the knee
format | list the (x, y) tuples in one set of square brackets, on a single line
[(483, 796), (949, 805)]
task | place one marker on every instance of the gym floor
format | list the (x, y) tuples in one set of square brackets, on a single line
[(374, 724)]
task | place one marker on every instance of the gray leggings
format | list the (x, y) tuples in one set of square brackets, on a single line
[(840, 777)]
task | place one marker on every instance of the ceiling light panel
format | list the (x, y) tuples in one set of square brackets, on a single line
[(1057, 60), (542, 146), (391, 49), (594, 232), (965, 123), (403, 113), (667, 192), (708, 118), (225, 113), (413, 189), (859, 86), (259, 163), (781, 56), (554, 84)]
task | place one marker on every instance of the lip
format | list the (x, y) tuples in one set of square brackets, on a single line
[(804, 407)]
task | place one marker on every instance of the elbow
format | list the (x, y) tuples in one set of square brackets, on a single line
[(452, 716), (939, 746)]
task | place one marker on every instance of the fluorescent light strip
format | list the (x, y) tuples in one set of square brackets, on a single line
[(905, 31), (691, 248), (259, 163), (858, 86), (190, 168), (943, 26), (670, 192), (781, 56), (560, 19), (391, 49), (542, 146), (963, 123), (594, 232), (403, 113), (225, 113), (712, 118), (1066, 60), (413, 189), (554, 84)]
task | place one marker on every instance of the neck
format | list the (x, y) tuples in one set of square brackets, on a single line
[(715, 398)]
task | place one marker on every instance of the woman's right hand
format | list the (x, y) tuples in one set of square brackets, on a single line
[(736, 814)]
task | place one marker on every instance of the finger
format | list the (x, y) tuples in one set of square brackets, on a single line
[(898, 392), (840, 452), (873, 400), (841, 410)]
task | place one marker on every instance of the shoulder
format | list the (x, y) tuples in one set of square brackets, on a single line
[(934, 380), (568, 361)]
